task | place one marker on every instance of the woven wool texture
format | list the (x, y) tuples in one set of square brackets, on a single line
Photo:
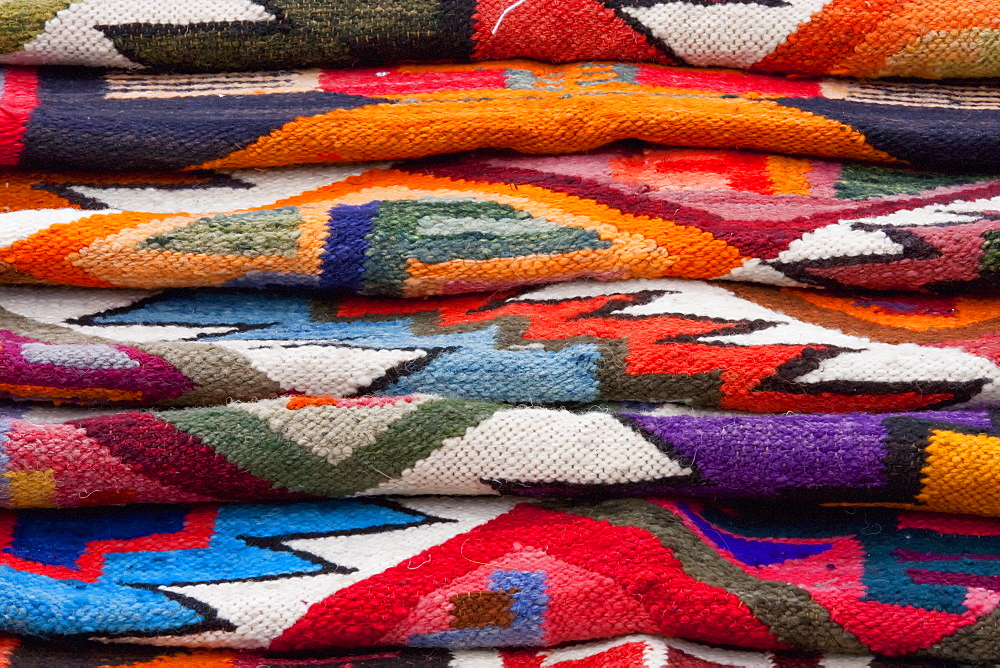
[(285, 449), (467, 573), (499, 333), (118, 121), (495, 221), (726, 345), (865, 38), (632, 651)]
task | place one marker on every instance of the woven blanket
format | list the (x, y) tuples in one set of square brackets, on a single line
[(728, 345), (118, 121), (923, 38), (467, 573), (633, 651), (391, 365), (494, 221), (283, 449)]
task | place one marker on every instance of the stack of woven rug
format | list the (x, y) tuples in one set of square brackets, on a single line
[(499, 333)]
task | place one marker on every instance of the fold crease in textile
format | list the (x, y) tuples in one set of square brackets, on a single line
[(280, 449), (724, 345), (99, 120), (860, 38), (631, 651), (489, 221), (468, 573)]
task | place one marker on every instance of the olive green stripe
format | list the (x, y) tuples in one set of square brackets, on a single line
[(409, 440), (247, 442), (23, 20)]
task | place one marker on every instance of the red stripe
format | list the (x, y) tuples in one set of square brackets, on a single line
[(18, 99)]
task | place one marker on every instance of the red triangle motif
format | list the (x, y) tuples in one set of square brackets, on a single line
[(597, 558), (557, 31)]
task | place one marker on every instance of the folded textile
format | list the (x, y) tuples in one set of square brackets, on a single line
[(467, 573), (632, 651), (283, 449), (251, 477), (494, 221), (921, 38), (98, 120), (726, 345)]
